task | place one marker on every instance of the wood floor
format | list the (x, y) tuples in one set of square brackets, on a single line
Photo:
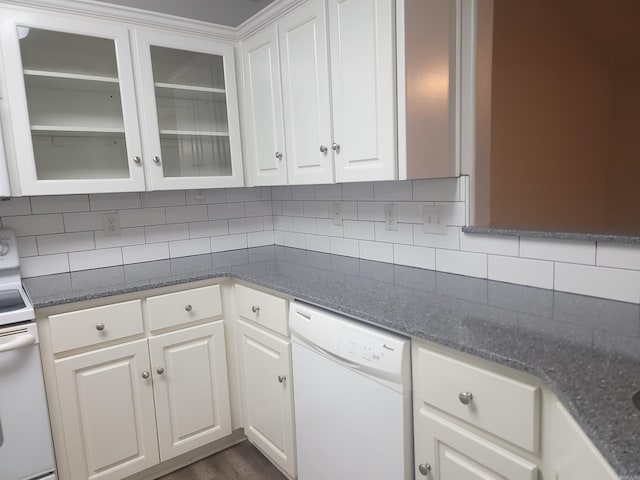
[(240, 462)]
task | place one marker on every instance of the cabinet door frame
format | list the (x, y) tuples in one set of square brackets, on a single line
[(143, 40), (257, 155), (21, 157)]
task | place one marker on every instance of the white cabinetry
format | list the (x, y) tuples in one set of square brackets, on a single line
[(265, 375), (73, 125), (127, 401)]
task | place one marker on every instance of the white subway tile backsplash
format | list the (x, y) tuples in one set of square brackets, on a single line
[(612, 283), (618, 255), (229, 242), (436, 190), (303, 192), (349, 210), (265, 193), (278, 237), (293, 208), (358, 230), (357, 191), (268, 222), (44, 265), (495, 244), (329, 192), (523, 271), (202, 197), (390, 191), (59, 203), (114, 201), (453, 213), (65, 242), (191, 213), (145, 253), (450, 241), (325, 226), (166, 233), (128, 236), (140, 217), (373, 211), (25, 225), (461, 263), (222, 211), (213, 228), (168, 198), (15, 206), (379, 252), (27, 246), (318, 243), (260, 239), (409, 212), (244, 194), (344, 246), (244, 225), (276, 207), (404, 234), (284, 224), (258, 209), (86, 221), (281, 193), (184, 248), (304, 225), (564, 251), (294, 240), (411, 256), (95, 259), (317, 209)]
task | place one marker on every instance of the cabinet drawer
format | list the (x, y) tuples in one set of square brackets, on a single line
[(179, 308), (95, 325), (499, 405), (263, 309)]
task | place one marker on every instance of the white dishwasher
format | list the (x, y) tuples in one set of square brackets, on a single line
[(352, 397)]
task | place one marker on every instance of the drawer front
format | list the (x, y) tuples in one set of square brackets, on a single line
[(507, 408), (179, 308), (263, 309), (92, 326)]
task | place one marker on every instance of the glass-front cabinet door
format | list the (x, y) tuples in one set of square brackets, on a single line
[(189, 102), (71, 101)]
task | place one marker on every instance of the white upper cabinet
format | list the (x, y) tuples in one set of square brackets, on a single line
[(70, 97), (264, 124), (363, 89), (306, 94), (189, 105)]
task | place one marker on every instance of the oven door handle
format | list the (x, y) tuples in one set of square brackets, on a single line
[(18, 342)]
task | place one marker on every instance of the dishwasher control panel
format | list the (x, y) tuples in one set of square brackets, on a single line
[(362, 347)]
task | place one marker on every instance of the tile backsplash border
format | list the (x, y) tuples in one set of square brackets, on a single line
[(58, 234)]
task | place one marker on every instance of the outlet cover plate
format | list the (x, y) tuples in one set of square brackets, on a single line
[(434, 222)]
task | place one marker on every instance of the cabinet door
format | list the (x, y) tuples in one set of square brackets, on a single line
[(191, 388), (189, 102), (266, 389), (306, 94), (363, 89), (107, 412), (71, 103), (266, 155), (454, 453)]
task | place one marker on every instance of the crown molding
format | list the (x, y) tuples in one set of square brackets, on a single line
[(266, 16), (120, 13)]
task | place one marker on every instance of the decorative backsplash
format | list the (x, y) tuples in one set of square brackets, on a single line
[(65, 233)]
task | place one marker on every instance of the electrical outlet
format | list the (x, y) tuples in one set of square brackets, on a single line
[(434, 221), (337, 213), (110, 223), (390, 217)]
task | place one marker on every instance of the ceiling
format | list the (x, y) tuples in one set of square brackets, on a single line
[(223, 12)]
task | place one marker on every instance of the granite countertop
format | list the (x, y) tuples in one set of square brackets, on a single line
[(586, 350), (577, 236)]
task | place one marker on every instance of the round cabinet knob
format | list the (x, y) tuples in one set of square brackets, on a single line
[(137, 160), (156, 160), (100, 327), (160, 370), (255, 309), (424, 469), (145, 375), (465, 398), (323, 149), (279, 155), (335, 146), (188, 308), (282, 378)]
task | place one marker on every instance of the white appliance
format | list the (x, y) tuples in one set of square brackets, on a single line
[(26, 451), (352, 397)]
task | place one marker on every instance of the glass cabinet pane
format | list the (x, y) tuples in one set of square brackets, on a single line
[(191, 103), (74, 104)]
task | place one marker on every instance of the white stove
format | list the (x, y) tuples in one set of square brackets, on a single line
[(26, 451)]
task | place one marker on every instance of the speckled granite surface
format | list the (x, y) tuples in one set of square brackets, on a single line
[(586, 350), (585, 237)]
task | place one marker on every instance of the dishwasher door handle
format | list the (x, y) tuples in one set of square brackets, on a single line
[(20, 341)]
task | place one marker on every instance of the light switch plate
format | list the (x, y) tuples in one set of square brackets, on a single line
[(390, 217), (434, 222)]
